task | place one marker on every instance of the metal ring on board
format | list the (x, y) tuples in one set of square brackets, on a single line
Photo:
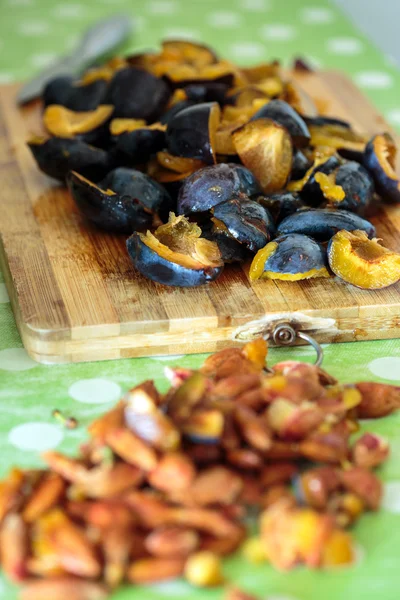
[(284, 334)]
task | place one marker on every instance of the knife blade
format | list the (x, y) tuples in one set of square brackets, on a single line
[(102, 38)]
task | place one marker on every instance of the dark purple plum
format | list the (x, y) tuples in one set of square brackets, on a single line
[(67, 92), (135, 147), (191, 131), (322, 223), (380, 161), (247, 221), (282, 113), (56, 157), (311, 192), (176, 255), (124, 201), (357, 185), (291, 257), (137, 94), (215, 184)]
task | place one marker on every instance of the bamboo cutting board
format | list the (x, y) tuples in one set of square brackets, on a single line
[(76, 296)]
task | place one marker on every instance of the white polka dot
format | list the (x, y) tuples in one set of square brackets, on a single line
[(391, 497), (6, 78), (162, 7), (359, 554), (178, 33), (316, 15), (42, 60), (374, 80), (3, 294), (255, 5), (68, 11), (278, 32), (173, 589), (16, 359), (95, 391), (387, 367), (394, 116), (346, 46), (175, 357), (34, 28), (36, 436), (253, 50), (224, 19)]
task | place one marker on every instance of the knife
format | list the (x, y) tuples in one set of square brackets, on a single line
[(102, 38)]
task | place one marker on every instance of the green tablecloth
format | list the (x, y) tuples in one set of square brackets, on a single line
[(32, 33)]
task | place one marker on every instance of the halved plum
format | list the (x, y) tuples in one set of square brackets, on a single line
[(215, 184), (179, 164), (90, 126), (309, 189), (194, 53), (124, 201), (363, 262), (380, 160), (75, 95), (247, 221), (337, 136), (137, 94), (231, 250), (56, 157), (349, 187), (291, 257), (175, 254), (134, 141), (266, 149), (173, 110), (322, 223), (282, 113), (183, 75), (191, 132)]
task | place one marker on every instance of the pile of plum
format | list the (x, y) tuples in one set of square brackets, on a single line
[(203, 163)]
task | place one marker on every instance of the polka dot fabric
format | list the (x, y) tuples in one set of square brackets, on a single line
[(32, 33)]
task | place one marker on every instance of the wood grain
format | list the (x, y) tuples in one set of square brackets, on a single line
[(77, 298)]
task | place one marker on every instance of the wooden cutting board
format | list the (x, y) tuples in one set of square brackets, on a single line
[(76, 296)]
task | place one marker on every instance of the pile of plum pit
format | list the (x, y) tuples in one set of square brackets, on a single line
[(204, 163), (231, 458)]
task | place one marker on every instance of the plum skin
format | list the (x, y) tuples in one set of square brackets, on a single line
[(158, 269), (290, 257), (385, 177), (212, 185), (247, 221), (135, 199), (56, 157), (322, 223)]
